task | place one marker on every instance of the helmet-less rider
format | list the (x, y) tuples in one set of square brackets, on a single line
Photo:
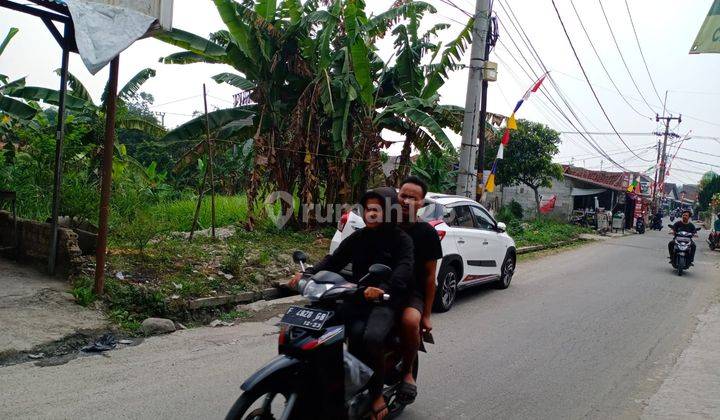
[(368, 324)]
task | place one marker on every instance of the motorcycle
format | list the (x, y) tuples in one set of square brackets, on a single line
[(656, 223), (640, 225), (714, 240), (313, 372), (680, 259)]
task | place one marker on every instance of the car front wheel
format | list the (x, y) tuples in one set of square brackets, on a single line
[(447, 288), (506, 272)]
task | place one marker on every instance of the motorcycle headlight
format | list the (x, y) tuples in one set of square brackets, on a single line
[(314, 291)]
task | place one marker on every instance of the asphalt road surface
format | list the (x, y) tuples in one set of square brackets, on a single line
[(585, 333)]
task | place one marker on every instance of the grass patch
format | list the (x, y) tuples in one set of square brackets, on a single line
[(177, 215), (82, 291), (233, 315), (543, 232)]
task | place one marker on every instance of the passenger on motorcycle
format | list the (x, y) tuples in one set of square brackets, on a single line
[(381, 241), (416, 314), (683, 225)]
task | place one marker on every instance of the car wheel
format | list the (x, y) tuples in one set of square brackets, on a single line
[(506, 272), (447, 288)]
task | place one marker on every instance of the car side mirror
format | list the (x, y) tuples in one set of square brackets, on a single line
[(502, 227), (380, 271), (299, 257)]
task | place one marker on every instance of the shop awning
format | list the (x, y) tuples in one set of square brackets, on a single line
[(587, 191)]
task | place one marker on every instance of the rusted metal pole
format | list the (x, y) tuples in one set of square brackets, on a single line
[(59, 139), (107, 160), (210, 164)]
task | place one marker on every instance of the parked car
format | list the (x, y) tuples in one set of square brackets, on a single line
[(476, 248)]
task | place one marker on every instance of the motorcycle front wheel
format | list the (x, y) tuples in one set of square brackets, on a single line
[(268, 406)]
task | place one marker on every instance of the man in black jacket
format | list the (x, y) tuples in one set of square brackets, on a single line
[(381, 241)]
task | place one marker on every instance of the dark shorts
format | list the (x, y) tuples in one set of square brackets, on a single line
[(417, 301)]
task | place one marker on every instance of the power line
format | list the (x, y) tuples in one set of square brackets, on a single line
[(642, 54), (622, 57), (528, 43), (567, 35), (607, 73)]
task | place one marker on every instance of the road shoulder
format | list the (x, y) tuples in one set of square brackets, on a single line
[(692, 389)]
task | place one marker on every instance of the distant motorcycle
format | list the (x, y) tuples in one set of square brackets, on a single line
[(680, 259), (656, 223), (640, 225)]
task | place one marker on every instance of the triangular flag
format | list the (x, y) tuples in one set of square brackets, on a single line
[(512, 123), (501, 150), (506, 137), (538, 84), (518, 105), (490, 185), (707, 40)]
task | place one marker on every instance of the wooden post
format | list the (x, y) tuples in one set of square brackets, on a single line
[(197, 207), (107, 160), (210, 164)]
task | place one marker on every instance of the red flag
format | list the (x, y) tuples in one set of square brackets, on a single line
[(506, 137), (539, 82), (549, 206)]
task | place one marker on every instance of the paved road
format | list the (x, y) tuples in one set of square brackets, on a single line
[(586, 333)]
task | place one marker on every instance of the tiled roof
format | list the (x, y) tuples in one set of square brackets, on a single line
[(612, 180)]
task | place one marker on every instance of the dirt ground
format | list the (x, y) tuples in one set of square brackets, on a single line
[(36, 309)]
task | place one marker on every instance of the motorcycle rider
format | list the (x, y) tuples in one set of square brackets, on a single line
[(381, 241), (682, 225), (416, 314)]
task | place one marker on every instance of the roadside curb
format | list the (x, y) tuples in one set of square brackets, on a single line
[(535, 248)]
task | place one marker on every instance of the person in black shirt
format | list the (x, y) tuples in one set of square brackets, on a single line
[(683, 225), (416, 315), (381, 241)]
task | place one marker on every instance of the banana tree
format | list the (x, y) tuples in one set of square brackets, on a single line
[(9, 107)]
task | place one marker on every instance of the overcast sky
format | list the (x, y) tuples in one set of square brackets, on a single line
[(666, 30)]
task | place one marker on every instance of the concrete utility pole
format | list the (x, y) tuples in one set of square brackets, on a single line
[(467, 178), (663, 161)]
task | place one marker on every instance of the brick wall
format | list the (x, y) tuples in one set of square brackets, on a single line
[(34, 241)]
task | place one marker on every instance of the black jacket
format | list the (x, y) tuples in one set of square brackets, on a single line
[(387, 245)]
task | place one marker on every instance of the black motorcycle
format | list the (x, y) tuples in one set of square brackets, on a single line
[(714, 240), (314, 376), (640, 225), (656, 223), (682, 249)]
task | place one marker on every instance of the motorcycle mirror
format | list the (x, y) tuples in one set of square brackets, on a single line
[(380, 270), (670, 226), (299, 257)]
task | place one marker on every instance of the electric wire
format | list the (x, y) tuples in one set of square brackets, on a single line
[(567, 35), (602, 64), (642, 54), (622, 57)]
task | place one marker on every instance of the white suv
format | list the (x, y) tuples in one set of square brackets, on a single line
[(476, 248)]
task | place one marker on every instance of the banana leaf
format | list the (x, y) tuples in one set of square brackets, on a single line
[(141, 124), (237, 27), (449, 60), (266, 9), (16, 108), (50, 96), (193, 43), (77, 89), (134, 84), (188, 57), (11, 33), (234, 80), (195, 128)]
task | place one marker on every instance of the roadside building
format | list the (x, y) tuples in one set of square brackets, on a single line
[(582, 191)]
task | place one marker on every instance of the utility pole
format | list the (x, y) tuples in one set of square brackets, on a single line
[(467, 178), (489, 43), (663, 161), (655, 181)]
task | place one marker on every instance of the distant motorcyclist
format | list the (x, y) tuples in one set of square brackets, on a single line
[(716, 225), (683, 225)]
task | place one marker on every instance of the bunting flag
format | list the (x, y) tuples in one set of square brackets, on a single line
[(506, 137), (490, 184), (708, 39), (510, 125)]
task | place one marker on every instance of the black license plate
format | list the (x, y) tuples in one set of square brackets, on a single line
[(312, 319)]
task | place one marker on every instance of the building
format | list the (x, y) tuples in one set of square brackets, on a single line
[(581, 189)]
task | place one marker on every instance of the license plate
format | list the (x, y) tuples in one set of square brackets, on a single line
[(312, 319)]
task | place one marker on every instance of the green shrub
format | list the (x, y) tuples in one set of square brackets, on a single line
[(509, 212), (83, 291)]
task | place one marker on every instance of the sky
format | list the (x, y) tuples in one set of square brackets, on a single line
[(665, 28)]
